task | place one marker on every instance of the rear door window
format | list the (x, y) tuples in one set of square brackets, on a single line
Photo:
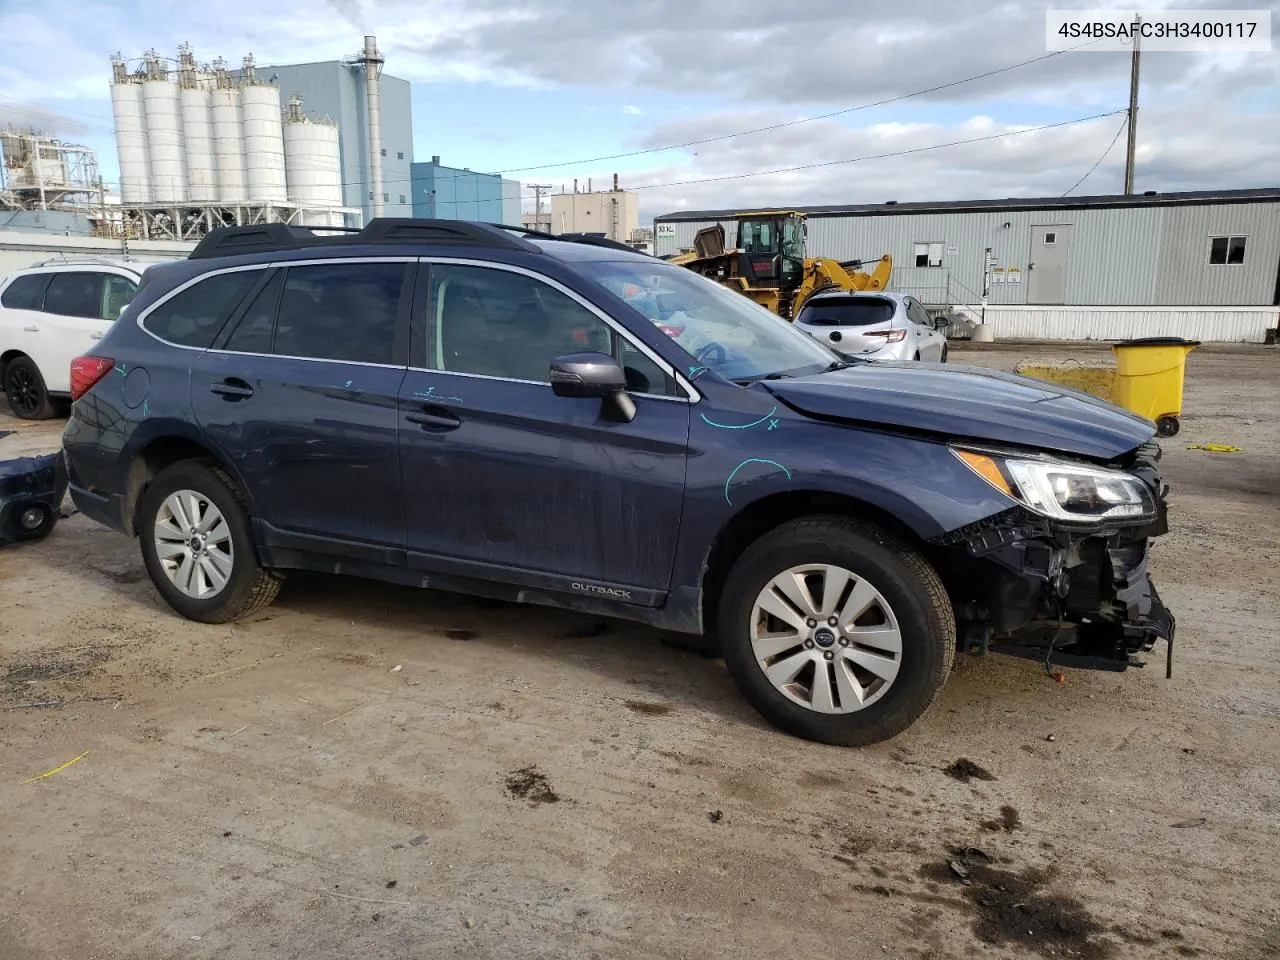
[(75, 294), (26, 292), (343, 311), (193, 317), (847, 312), (254, 331)]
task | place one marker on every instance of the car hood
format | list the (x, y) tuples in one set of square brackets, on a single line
[(970, 403)]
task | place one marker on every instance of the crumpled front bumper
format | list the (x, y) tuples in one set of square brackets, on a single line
[(31, 488)]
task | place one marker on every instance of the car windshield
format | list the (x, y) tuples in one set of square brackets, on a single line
[(723, 330), (847, 312)]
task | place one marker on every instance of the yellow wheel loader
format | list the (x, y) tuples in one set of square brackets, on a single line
[(768, 263)]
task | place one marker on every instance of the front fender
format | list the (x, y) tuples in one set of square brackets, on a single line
[(734, 466)]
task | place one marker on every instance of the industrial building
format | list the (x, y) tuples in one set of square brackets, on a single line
[(1210, 248), (373, 113), (41, 173), (614, 213), (449, 193), (201, 146)]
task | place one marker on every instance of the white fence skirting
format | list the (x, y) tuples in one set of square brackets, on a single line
[(1206, 324)]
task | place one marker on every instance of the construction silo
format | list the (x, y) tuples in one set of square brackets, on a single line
[(313, 165), (228, 138), (263, 139), (162, 101), (131, 134), (197, 129)]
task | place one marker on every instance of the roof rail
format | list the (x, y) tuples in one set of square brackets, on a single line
[(271, 237), (110, 261)]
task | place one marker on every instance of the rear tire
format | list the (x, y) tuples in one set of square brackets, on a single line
[(858, 705), (945, 353), (25, 389), (197, 545)]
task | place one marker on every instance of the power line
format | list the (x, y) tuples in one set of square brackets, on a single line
[(879, 156), (1123, 123), (62, 115), (833, 163), (793, 123)]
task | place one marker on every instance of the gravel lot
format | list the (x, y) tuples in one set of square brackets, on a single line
[(367, 771)]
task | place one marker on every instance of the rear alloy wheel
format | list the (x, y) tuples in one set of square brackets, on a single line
[(193, 544), (24, 387), (836, 632), (197, 545)]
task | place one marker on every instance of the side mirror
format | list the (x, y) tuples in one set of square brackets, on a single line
[(592, 374), (941, 323)]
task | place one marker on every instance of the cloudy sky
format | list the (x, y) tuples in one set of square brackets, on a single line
[(543, 89)]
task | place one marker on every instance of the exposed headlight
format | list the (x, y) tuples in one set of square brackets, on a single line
[(1064, 491)]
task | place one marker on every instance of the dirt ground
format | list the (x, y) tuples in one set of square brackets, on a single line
[(367, 771)]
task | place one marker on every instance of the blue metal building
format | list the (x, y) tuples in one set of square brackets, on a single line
[(447, 193), (336, 90)]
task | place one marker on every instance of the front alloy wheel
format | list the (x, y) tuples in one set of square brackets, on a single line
[(836, 630), (825, 638)]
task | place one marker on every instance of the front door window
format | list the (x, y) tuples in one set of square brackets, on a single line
[(497, 323)]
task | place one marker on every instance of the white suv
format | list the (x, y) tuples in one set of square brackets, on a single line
[(50, 314)]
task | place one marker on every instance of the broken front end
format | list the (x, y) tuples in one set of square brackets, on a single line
[(1062, 576), (31, 493)]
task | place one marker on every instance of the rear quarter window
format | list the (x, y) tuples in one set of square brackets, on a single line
[(850, 312), (193, 317)]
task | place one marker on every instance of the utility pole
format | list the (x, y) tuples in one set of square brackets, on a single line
[(538, 190), (102, 201), (1133, 110)]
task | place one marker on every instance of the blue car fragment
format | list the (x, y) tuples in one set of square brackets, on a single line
[(31, 492)]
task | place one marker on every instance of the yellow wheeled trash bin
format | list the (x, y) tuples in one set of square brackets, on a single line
[(1149, 378)]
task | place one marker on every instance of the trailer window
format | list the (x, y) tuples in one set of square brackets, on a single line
[(928, 254), (1226, 250)]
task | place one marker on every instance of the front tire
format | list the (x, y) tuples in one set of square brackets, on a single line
[(26, 391), (197, 545), (836, 631)]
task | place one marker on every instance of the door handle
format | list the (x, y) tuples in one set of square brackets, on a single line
[(232, 388), (435, 418), (96, 335), (31, 329)]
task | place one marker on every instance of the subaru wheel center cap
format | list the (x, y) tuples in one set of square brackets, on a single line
[(824, 637)]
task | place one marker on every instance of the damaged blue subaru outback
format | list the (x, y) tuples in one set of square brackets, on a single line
[(564, 421)]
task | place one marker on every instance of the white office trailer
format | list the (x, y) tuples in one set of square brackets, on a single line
[(1203, 264)]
